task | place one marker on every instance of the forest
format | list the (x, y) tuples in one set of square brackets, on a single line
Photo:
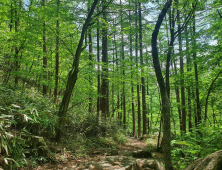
[(81, 76)]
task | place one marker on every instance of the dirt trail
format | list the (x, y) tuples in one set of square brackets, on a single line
[(99, 160), (133, 145)]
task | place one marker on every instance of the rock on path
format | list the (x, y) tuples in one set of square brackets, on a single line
[(131, 156)]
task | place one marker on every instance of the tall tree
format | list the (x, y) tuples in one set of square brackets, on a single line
[(177, 91), (188, 87), (17, 5), (90, 65), (142, 71), (72, 76), (57, 55), (44, 40), (138, 86), (163, 90), (105, 82), (182, 77), (123, 70), (132, 84), (98, 60), (198, 116)]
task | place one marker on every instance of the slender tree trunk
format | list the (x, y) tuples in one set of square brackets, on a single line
[(188, 88), (38, 77), (91, 67), (208, 94), (196, 71), (178, 97), (72, 76), (151, 112), (138, 86), (117, 70), (50, 74), (113, 105), (132, 84), (163, 91), (57, 56), (44, 53), (16, 46), (142, 72), (182, 80), (105, 82), (214, 116), (170, 47), (98, 76), (123, 69)]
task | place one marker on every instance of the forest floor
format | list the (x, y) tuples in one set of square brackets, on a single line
[(101, 159)]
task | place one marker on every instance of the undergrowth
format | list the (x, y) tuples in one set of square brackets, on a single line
[(89, 133), (27, 130), (196, 144)]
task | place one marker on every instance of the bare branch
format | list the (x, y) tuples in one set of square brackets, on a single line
[(219, 13)]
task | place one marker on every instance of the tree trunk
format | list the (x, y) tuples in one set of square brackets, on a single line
[(113, 105), (123, 70), (196, 72), (98, 76), (16, 47), (138, 86), (142, 72), (163, 91), (117, 69), (90, 67), (72, 76), (188, 88), (132, 84), (182, 80), (44, 53), (105, 82), (57, 56), (178, 98), (208, 94)]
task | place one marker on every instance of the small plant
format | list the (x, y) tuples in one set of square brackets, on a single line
[(200, 143), (23, 114)]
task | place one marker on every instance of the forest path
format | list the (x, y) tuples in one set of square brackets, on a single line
[(100, 159)]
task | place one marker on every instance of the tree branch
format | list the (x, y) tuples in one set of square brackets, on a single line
[(208, 94), (219, 13)]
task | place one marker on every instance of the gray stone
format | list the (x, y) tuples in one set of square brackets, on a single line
[(210, 162)]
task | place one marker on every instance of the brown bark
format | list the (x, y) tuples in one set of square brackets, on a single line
[(132, 89), (182, 80), (57, 56), (142, 72), (196, 72), (123, 71), (163, 90), (16, 47), (44, 53), (91, 67), (208, 94), (105, 82)]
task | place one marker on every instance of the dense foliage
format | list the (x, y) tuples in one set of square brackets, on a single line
[(106, 46)]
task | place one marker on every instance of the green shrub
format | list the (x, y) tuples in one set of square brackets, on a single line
[(23, 113), (200, 143)]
